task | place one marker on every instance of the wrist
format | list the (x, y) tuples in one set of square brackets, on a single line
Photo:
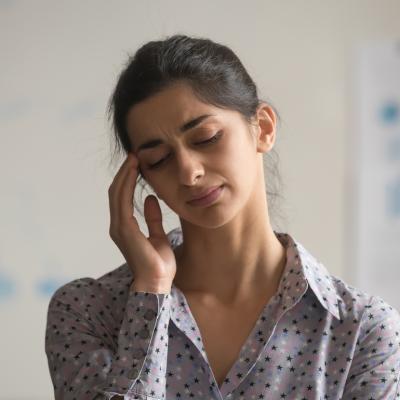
[(155, 287)]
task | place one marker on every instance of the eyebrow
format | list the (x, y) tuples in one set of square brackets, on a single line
[(184, 128)]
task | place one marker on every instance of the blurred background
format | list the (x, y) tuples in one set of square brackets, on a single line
[(331, 69)]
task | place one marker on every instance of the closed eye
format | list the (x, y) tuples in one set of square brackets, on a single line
[(213, 139)]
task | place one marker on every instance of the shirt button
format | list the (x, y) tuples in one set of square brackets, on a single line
[(144, 333)]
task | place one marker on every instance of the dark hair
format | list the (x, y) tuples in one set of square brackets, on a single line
[(212, 70)]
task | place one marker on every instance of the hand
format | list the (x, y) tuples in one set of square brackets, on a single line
[(151, 259)]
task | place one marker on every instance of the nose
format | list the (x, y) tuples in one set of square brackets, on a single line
[(190, 168)]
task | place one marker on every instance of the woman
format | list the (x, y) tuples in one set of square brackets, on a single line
[(223, 307)]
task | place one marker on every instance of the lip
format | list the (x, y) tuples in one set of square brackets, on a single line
[(204, 193), (209, 198)]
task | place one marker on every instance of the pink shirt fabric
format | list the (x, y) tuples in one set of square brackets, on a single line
[(316, 338)]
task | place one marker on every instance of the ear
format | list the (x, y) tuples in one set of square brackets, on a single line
[(265, 128)]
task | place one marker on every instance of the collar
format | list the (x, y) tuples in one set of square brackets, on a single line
[(302, 270)]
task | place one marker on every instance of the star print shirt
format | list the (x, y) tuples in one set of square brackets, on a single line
[(316, 338)]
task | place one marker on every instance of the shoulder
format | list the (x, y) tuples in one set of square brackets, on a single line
[(376, 325), (348, 302), (86, 294), (368, 308), (375, 361), (366, 325)]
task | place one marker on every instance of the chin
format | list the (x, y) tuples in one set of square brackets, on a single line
[(209, 217)]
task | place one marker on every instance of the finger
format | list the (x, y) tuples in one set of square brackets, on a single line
[(112, 197), (153, 217), (126, 188), (114, 191)]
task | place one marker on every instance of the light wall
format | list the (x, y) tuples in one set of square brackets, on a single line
[(59, 62)]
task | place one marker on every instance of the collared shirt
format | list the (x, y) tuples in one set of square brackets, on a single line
[(316, 338)]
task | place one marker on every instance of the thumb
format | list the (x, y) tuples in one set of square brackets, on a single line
[(153, 217)]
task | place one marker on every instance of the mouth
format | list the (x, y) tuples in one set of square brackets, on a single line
[(204, 193), (211, 195)]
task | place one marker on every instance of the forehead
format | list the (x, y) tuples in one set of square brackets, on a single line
[(166, 111)]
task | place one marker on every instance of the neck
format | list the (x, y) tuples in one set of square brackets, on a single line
[(233, 263)]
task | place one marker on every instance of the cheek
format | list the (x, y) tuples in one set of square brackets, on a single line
[(240, 157), (244, 169), (164, 188), (145, 182)]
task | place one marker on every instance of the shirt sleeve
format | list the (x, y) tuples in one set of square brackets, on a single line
[(375, 368), (86, 361)]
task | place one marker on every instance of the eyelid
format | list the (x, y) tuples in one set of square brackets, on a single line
[(211, 140)]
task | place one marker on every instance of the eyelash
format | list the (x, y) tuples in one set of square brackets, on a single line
[(212, 140)]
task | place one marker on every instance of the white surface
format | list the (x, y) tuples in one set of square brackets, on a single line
[(59, 62), (377, 168)]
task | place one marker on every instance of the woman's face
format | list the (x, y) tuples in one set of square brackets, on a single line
[(216, 150)]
